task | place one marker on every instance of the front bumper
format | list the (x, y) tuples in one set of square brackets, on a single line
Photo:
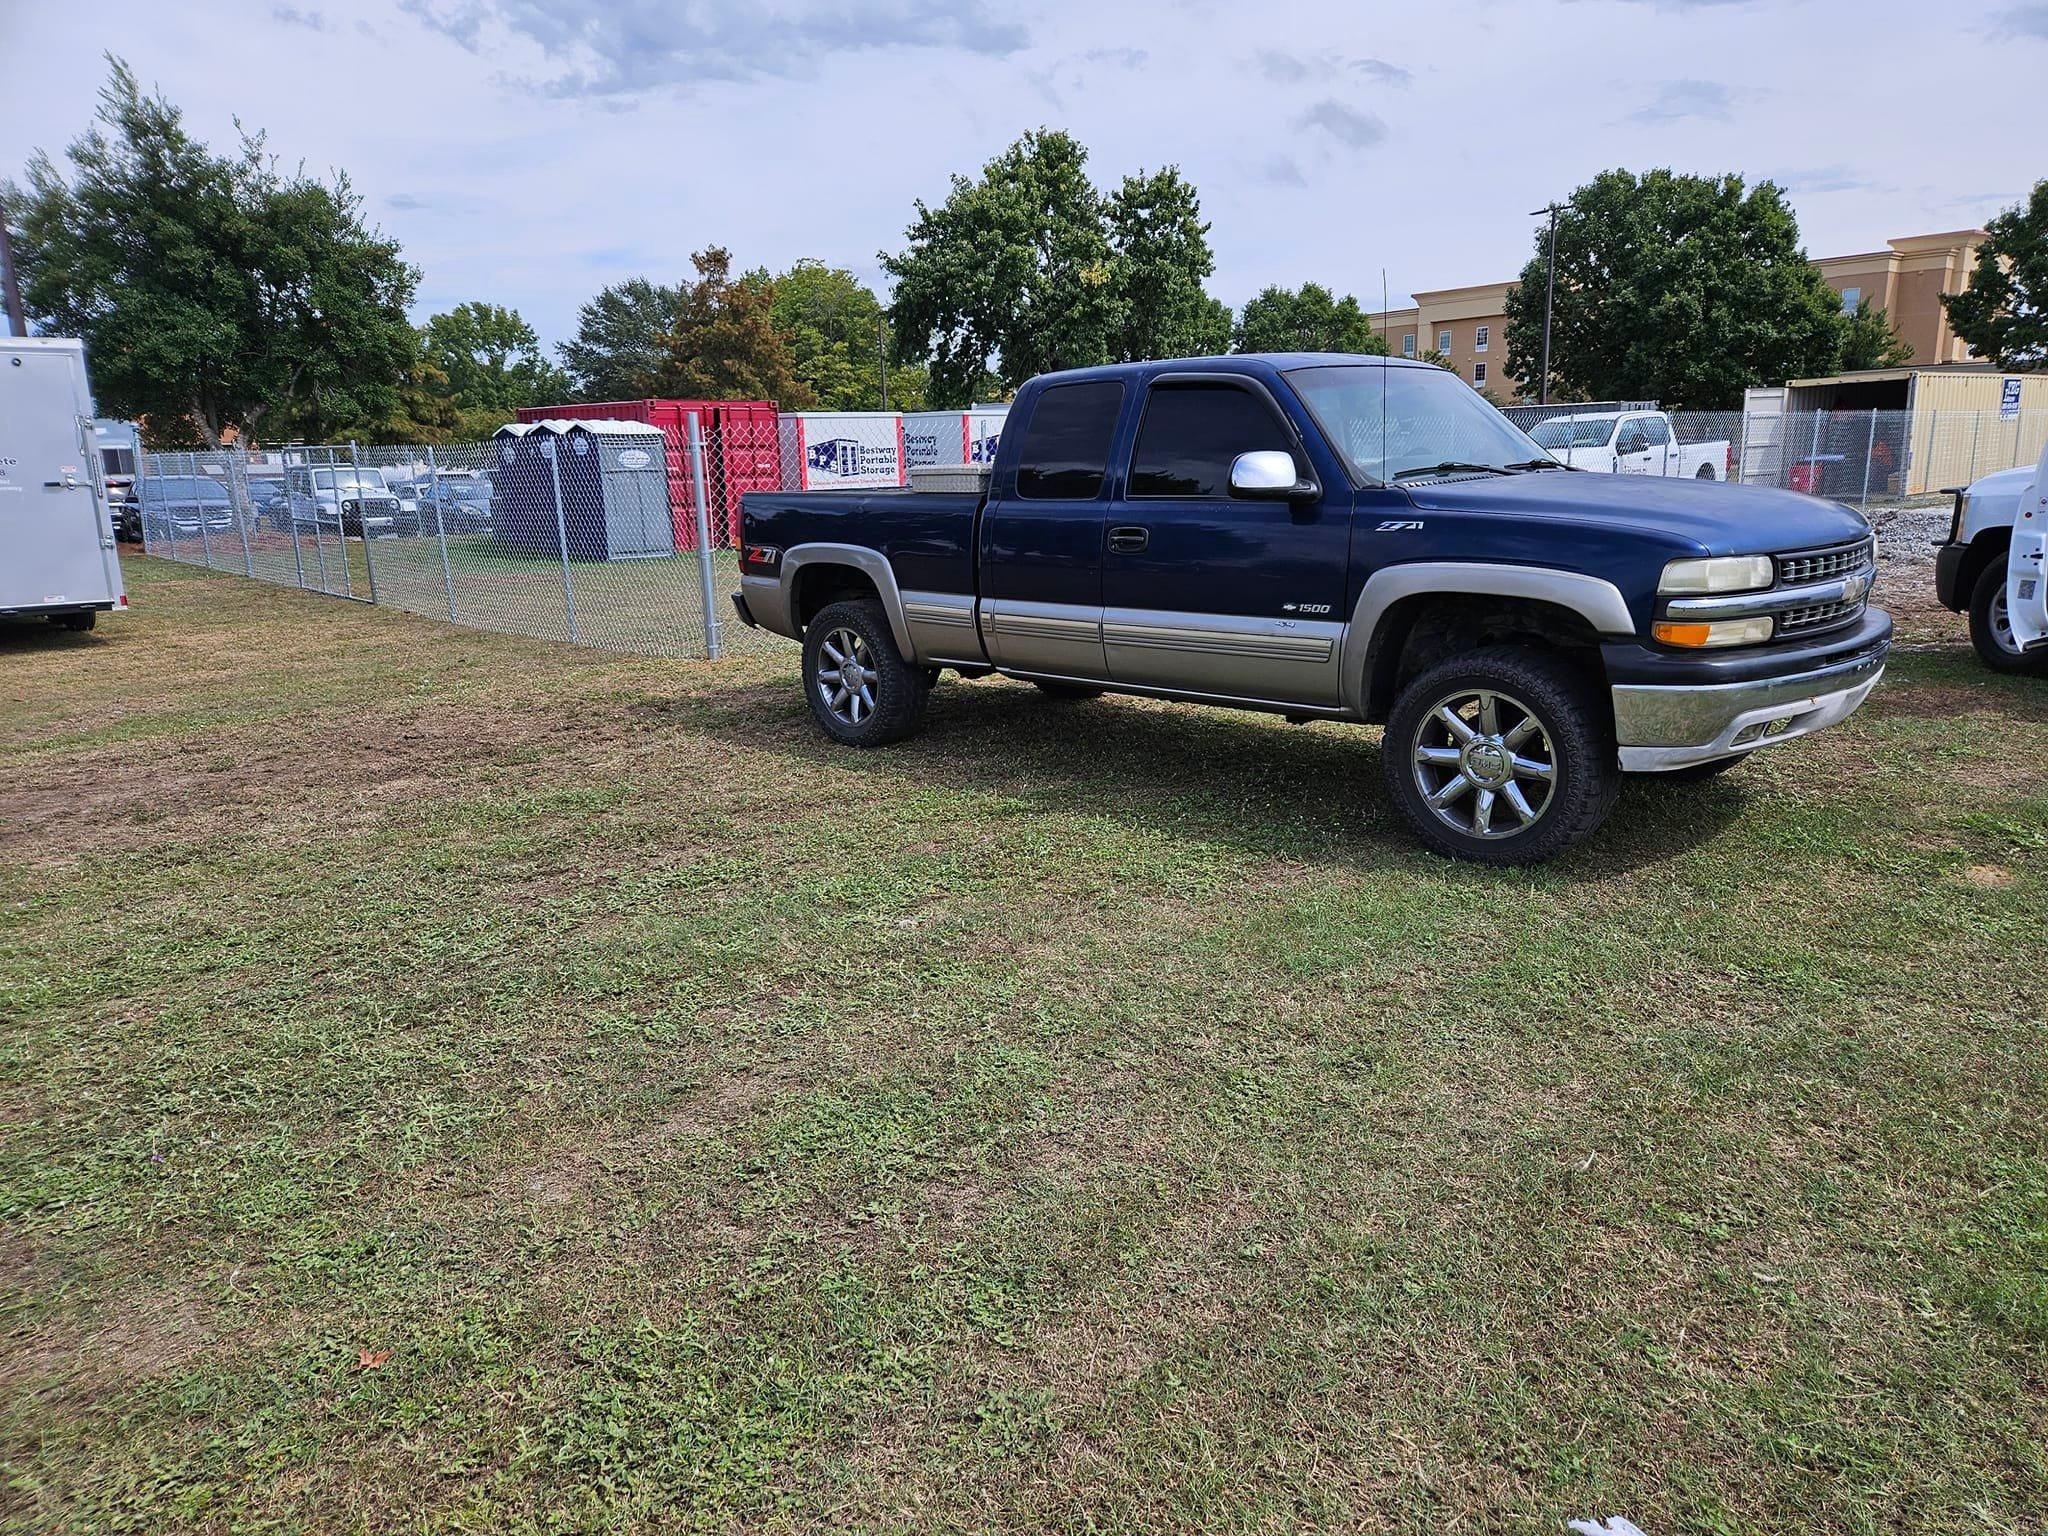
[(1949, 560), (1662, 725)]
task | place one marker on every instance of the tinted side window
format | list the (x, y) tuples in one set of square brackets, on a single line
[(1655, 433), (1066, 448), (1192, 432)]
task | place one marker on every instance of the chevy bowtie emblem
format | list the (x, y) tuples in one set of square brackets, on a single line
[(1856, 585)]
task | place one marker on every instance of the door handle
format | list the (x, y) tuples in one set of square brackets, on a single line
[(1128, 541)]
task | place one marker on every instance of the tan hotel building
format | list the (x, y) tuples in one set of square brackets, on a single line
[(1468, 326)]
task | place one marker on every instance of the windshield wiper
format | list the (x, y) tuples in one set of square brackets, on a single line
[(1538, 464), (1452, 467)]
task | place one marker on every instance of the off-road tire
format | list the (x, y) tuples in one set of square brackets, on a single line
[(1074, 691), (1569, 712), (899, 689), (1987, 596)]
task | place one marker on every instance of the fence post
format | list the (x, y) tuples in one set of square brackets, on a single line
[(291, 521), (550, 447), (362, 516), (441, 531), (1813, 481), (1933, 444), (1976, 431), (199, 508), (240, 497), (704, 563), (319, 543), (1869, 448)]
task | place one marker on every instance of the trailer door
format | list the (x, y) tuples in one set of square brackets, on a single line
[(56, 546)]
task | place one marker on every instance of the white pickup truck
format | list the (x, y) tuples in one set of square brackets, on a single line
[(1994, 567), (1632, 443)]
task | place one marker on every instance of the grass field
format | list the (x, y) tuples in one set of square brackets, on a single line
[(453, 1083)]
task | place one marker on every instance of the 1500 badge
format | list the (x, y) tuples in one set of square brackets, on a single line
[(1304, 607)]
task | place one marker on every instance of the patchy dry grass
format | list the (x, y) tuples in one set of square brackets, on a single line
[(1087, 1117)]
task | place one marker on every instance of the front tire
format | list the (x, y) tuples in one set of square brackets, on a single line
[(860, 688), (1502, 757), (1991, 628)]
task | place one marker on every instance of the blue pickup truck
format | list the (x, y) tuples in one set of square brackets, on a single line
[(1331, 537)]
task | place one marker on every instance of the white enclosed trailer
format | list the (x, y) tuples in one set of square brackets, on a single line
[(57, 555)]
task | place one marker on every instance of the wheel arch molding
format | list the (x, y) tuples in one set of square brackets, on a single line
[(805, 564)]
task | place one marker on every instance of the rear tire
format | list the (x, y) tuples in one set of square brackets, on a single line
[(1528, 769), (1991, 630), (860, 688), (1705, 472), (1073, 691)]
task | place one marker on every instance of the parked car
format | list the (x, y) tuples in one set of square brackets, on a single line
[(340, 500), (462, 497), (269, 500), (124, 511), (1328, 538), (180, 506), (1634, 443), (1990, 567)]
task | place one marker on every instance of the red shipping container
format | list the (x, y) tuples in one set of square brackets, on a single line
[(740, 454)]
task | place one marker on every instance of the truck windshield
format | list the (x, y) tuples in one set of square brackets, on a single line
[(1574, 431), (1388, 419)]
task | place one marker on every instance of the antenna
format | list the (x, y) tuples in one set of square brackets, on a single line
[(1383, 373)]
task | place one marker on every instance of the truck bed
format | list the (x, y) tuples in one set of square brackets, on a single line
[(927, 536)]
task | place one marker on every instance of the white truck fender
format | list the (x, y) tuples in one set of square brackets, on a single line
[(2026, 571)]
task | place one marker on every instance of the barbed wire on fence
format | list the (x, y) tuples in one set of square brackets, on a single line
[(613, 535)]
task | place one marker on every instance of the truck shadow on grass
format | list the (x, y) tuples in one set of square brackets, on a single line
[(1310, 794), (38, 634)]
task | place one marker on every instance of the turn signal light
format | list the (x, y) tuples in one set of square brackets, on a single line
[(1727, 632)]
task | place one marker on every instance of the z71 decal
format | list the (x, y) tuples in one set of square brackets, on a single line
[(1400, 525)]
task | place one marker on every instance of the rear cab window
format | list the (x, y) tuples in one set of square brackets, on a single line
[(1064, 455)]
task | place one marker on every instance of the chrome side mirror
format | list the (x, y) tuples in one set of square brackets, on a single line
[(1268, 475)]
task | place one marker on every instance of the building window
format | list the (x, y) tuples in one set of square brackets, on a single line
[(1851, 297), (1479, 337), (1479, 375), (1443, 341), (1408, 345)]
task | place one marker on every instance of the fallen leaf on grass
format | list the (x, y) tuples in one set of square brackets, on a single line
[(370, 1359)]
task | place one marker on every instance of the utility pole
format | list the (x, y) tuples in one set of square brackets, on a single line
[(882, 358), (1549, 301), (10, 285)]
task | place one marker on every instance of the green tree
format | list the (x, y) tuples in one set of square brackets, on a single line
[(1870, 340), (618, 347), (1012, 273), (1161, 259), (1685, 289), (722, 343), (832, 324), (2003, 314), (1307, 319), (490, 360), (214, 293)]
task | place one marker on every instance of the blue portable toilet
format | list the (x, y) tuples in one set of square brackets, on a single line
[(614, 489)]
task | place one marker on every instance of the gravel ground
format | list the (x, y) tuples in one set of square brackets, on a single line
[(1906, 537)]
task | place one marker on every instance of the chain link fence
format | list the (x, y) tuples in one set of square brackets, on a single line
[(1868, 458), (611, 534), (579, 535)]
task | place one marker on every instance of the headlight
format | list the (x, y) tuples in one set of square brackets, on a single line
[(1723, 573), (1725, 632), (1962, 514)]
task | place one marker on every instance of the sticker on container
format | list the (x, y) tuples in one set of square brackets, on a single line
[(581, 445), (634, 458), (510, 453)]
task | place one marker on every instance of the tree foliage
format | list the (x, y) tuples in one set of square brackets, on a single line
[(832, 324), (489, 361), (214, 293), (1030, 268), (1685, 289), (722, 343), (1870, 340), (619, 343), (2003, 314), (1306, 319)]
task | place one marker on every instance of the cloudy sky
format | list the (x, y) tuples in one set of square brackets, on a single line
[(530, 151)]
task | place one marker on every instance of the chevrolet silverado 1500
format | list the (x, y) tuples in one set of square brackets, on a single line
[(1332, 538)]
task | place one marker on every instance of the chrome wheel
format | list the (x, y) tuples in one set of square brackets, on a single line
[(847, 676), (1485, 765), (2001, 625)]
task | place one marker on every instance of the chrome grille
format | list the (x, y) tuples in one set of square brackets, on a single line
[(1796, 621), (1823, 564)]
